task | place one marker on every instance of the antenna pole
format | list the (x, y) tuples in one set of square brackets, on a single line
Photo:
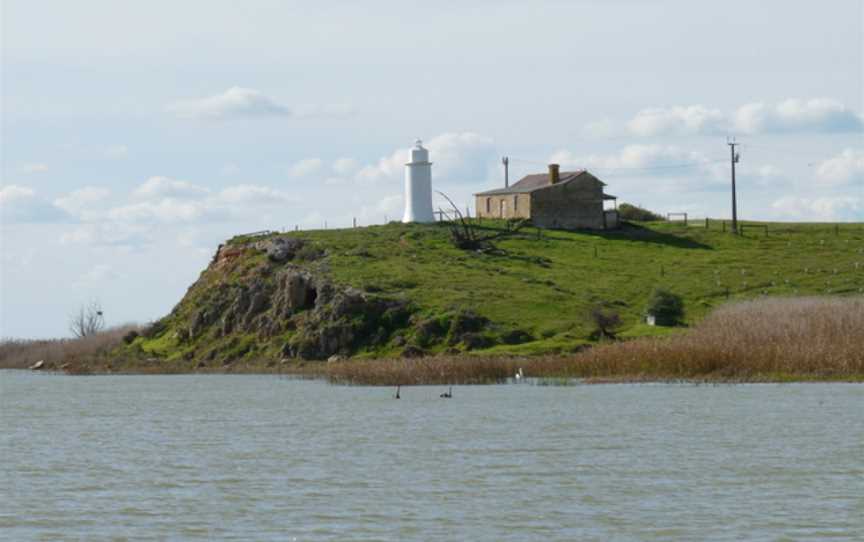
[(734, 157), (506, 162)]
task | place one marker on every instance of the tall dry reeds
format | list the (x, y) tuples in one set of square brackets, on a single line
[(22, 353), (760, 339), (767, 339), (430, 370)]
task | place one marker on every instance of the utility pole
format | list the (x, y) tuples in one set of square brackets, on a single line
[(734, 156), (506, 162)]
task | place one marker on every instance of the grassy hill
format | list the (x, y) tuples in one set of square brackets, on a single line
[(405, 289)]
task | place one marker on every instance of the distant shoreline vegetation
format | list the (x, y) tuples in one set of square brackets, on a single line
[(763, 340)]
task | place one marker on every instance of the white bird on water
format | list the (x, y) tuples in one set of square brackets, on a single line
[(519, 374)]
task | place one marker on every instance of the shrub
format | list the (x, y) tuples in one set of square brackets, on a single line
[(666, 307), (129, 337), (153, 329), (605, 320), (635, 213), (431, 330), (308, 253), (516, 336)]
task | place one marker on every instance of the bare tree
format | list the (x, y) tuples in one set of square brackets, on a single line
[(87, 321), (464, 234)]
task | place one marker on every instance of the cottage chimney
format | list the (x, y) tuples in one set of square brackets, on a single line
[(553, 173)]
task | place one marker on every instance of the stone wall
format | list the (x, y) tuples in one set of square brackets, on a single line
[(569, 206), (504, 206)]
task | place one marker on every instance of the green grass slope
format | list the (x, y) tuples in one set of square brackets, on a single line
[(542, 283)]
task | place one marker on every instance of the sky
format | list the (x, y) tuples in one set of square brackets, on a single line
[(137, 136)]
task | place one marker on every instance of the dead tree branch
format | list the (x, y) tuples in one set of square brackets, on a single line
[(464, 234), (88, 321)]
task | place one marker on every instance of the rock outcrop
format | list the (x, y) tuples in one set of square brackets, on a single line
[(289, 302), (281, 249)]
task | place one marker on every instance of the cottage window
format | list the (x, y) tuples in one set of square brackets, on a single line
[(515, 204), (488, 205)]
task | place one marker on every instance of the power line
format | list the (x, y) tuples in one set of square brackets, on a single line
[(627, 168), (668, 166)]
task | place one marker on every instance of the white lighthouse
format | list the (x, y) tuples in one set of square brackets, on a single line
[(418, 186)]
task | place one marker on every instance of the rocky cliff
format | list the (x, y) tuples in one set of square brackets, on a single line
[(275, 299)]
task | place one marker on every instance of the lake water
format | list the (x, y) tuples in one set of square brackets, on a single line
[(269, 458)]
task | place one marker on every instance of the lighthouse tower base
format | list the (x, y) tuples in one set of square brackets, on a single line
[(418, 186)]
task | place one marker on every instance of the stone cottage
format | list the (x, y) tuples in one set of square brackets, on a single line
[(566, 200)]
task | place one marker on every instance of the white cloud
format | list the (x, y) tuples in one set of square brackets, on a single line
[(250, 194), (22, 204), (165, 210), (34, 168), (641, 169), (82, 203), (797, 115), (458, 157), (328, 110), (233, 103), (13, 193), (819, 208), (769, 176), (108, 234), (305, 167), (162, 187), (791, 115), (599, 128), (169, 201), (239, 102), (652, 159), (686, 120), (844, 169), (345, 166)]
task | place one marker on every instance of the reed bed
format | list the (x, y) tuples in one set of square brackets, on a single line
[(22, 353), (770, 339), (430, 370)]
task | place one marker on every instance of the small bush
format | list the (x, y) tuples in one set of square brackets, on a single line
[(516, 336), (154, 329), (635, 213), (465, 322), (308, 253), (477, 341), (666, 307), (431, 330), (605, 320)]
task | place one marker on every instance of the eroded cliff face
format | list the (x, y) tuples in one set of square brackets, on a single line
[(274, 298)]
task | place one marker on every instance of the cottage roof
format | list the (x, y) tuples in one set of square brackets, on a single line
[(538, 181)]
